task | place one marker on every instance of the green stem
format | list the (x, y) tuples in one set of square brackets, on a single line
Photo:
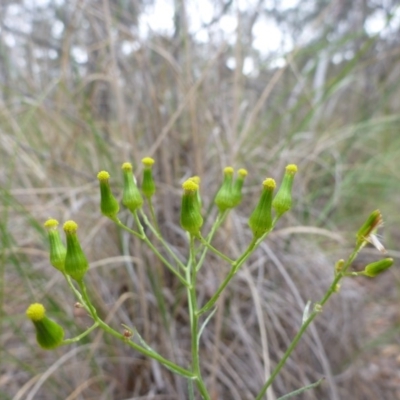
[(149, 353), (235, 267), (81, 336), (121, 225), (216, 225), (317, 309), (153, 214), (283, 360), (191, 274), (142, 236), (161, 239), (214, 250)]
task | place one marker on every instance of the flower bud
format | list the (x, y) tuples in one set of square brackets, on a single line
[(370, 226), (148, 185), (196, 180), (377, 267), (283, 199), (76, 263), (191, 219), (57, 249), (260, 220), (49, 334), (237, 187), (224, 196), (108, 203), (131, 199)]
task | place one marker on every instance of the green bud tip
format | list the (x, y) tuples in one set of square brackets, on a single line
[(103, 176), (377, 267), (370, 226), (36, 312), (148, 162)]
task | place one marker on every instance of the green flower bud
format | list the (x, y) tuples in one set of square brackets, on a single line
[(237, 187), (377, 267), (57, 249), (131, 199), (108, 203), (370, 226), (76, 263), (260, 220), (224, 196), (49, 334), (191, 219), (196, 180), (283, 199), (148, 185)]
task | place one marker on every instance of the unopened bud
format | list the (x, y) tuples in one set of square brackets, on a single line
[(57, 249), (370, 226), (49, 334), (131, 199), (108, 203), (191, 219), (260, 220), (237, 187), (283, 199), (377, 267), (224, 196), (76, 263), (148, 185)]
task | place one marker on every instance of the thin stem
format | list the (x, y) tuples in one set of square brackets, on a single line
[(161, 239), (317, 309), (214, 250), (152, 354), (191, 275), (235, 267), (142, 236), (76, 292), (283, 360), (152, 213), (121, 225), (216, 225), (81, 336)]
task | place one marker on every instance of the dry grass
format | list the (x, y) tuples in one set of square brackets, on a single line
[(178, 102)]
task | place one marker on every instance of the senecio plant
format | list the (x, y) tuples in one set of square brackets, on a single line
[(73, 264)]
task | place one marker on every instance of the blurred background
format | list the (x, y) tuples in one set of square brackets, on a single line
[(198, 85)]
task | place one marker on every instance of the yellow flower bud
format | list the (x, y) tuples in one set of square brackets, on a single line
[(283, 199), (131, 199), (191, 219), (224, 196), (57, 249), (76, 263), (49, 334), (148, 184), (108, 203), (260, 220)]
